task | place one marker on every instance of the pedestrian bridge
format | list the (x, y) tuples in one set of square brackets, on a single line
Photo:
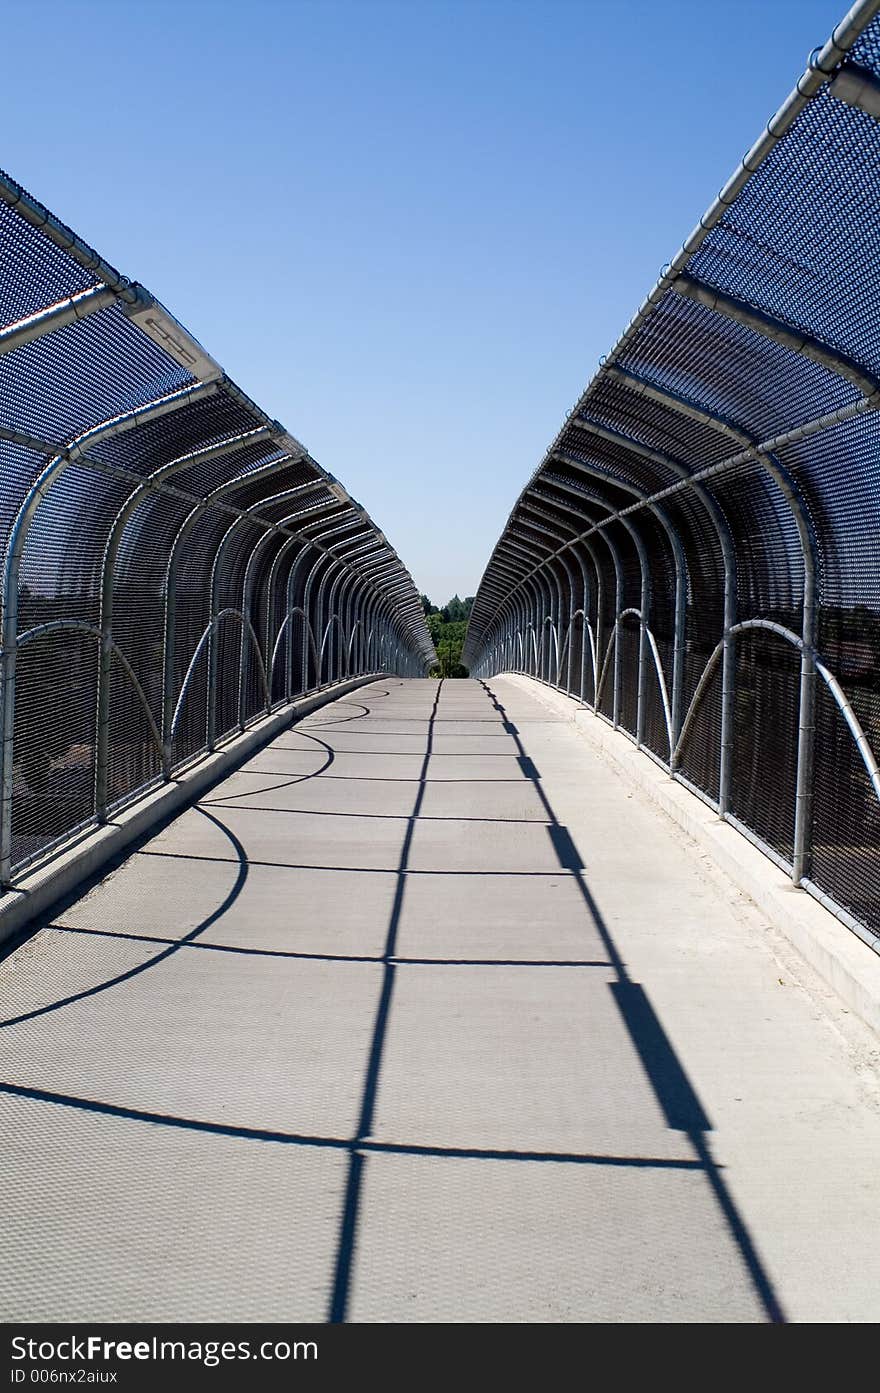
[(335, 991), (422, 1014)]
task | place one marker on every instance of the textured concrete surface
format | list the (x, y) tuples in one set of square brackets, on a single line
[(37, 890), (423, 1014), (838, 956)]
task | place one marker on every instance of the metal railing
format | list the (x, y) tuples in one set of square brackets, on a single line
[(697, 558), (175, 565)]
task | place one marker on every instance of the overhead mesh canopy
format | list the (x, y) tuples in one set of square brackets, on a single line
[(698, 555), (176, 565)]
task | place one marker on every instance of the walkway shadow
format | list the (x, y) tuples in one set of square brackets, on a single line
[(675, 1095), (83, 889), (348, 1228), (674, 1092), (157, 958)]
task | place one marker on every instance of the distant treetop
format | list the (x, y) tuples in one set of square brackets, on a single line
[(447, 627)]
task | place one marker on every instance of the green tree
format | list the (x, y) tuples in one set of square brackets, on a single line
[(447, 628)]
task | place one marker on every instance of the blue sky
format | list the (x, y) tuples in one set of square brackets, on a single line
[(408, 230)]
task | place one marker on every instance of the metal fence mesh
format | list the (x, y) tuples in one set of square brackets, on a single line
[(765, 325), (158, 533)]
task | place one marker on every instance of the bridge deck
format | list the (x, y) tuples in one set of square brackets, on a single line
[(423, 1015)]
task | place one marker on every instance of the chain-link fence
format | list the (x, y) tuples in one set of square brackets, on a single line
[(175, 564), (697, 558)]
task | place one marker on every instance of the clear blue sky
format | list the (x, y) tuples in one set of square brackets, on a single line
[(408, 230)]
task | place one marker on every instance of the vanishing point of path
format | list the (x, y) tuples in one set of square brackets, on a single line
[(424, 1015)]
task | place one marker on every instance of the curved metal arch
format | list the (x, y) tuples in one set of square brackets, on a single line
[(248, 517), (342, 602), (644, 613), (511, 604), (537, 594), (252, 515), (293, 576), (618, 584), (364, 574), (356, 626), (139, 494), (615, 514), (363, 585), (598, 528), (77, 449), (680, 565), (869, 759), (658, 666), (570, 578), (554, 633), (303, 544), (324, 607), (587, 629), (80, 626), (725, 542), (536, 605), (203, 378), (74, 450), (560, 557), (285, 623), (531, 494), (323, 598), (556, 612), (330, 510), (334, 620), (217, 495), (536, 582), (584, 582), (352, 588), (821, 67), (349, 592), (249, 584), (60, 313), (171, 570), (214, 623), (506, 599), (380, 632), (599, 587), (800, 513), (342, 561), (336, 605), (254, 583), (764, 454), (585, 540), (322, 562)]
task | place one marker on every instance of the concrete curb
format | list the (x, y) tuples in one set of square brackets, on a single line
[(38, 890), (841, 959)]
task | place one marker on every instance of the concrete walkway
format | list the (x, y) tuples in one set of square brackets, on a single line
[(423, 1015)]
